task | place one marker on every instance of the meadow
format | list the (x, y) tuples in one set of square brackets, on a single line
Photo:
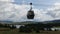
[(16, 31)]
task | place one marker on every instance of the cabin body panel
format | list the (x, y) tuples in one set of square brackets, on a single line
[(30, 14)]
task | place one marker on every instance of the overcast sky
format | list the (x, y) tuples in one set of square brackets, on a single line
[(16, 10)]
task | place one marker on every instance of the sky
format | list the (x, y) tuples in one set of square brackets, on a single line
[(16, 10)]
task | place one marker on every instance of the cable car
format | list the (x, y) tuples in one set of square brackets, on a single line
[(30, 14)]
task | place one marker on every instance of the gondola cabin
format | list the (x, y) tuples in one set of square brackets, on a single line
[(30, 14)]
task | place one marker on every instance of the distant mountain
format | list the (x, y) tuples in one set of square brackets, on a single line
[(6, 22), (30, 22), (53, 21), (45, 22), (26, 22)]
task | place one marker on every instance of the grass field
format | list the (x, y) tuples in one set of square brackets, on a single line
[(16, 31)]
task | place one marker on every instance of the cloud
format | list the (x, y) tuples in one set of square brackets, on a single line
[(55, 10), (7, 0), (16, 12)]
